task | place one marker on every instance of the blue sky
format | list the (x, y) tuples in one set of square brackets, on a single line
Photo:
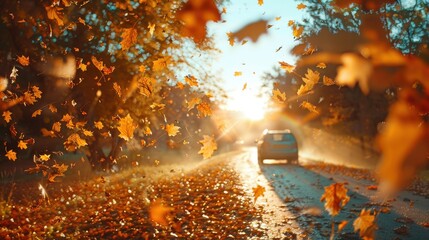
[(252, 59)]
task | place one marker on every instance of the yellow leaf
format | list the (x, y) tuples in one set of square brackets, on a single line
[(260, 2), (23, 60), (321, 65), (204, 109), (98, 125), (258, 191), (66, 118), (297, 31), (36, 92), (311, 77), (327, 81), (231, 38), (126, 128), (365, 224), (335, 198), (22, 144), (82, 67), (146, 85), (278, 18), (194, 101), (291, 23), (236, 74), (54, 13), (98, 64), (74, 142), (7, 116), (191, 80), (159, 213), (87, 133), (147, 131), (301, 6), (208, 146), (11, 155), (151, 27), (56, 127), (142, 69), (160, 63), (310, 107), (244, 87), (289, 68), (129, 38), (45, 157), (171, 130), (278, 96)]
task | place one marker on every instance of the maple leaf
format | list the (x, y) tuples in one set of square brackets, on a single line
[(191, 80), (98, 125), (146, 85), (327, 81), (126, 128), (54, 13), (321, 65), (66, 118), (23, 60), (301, 6), (289, 68), (22, 144), (261, 2), (29, 98), (151, 27), (310, 107), (7, 116), (56, 127), (204, 109), (209, 146), (194, 101), (194, 15), (160, 63), (36, 113), (129, 38), (237, 74), (36, 92), (45, 157), (52, 108), (171, 129), (365, 224), (159, 213), (335, 198), (311, 77), (88, 133), (83, 67), (278, 96), (11, 155), (297, 31), (73, 142), (258, 191)]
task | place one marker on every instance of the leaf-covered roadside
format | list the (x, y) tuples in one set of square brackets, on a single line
[(206, 203)]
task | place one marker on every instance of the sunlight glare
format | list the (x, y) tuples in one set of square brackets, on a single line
[(248, 104)]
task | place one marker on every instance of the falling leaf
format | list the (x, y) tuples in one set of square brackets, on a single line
[(365, 224), (126, 128), (161, 63), (327, 81), (230, 38), (289, 68), (66, 118), (191, 80), (36, 113), (23, 60), (261, 2), (29, 98), (159, 213), (297, 31), (310, 107), (36, 92), (342, 225), (14, 74), (194, 15), (56, 127), (87, 133), (193, 102), (204, 109), (258, 191), (354, 69), (82, 67), (45, 157), (278, 96), (7, 116), (301, 6), (321, 65), (146, 85), (237, 74), (171, 129), (291, 23), (11, 155), (117, 89), (22, 144), (244, 87), (54, 13), (52, 108), (98, 125), (151, 27), (252, 31), (129, 38), (208, 146), (73, 142), (335, 197), (278, 18), (98, 64)]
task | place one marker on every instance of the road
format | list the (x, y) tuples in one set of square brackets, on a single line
[(292, 207)]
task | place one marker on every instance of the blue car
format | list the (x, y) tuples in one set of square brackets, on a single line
[(278, 145)]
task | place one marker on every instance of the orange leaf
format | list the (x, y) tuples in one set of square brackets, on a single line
[(7, 116), (191, 80), (23, 60), (74, 142), (301, 6), (310, 107), (98, 125), (126, 128), (365, 224), (22, 144), (129, 38), (159, 213), (11, 155), (327, 81), (258, 191), (342, 225), (151, 27), (171, 130), (335, 198), (237, 74), (160, 63), (289, 68), (54, 13), (45, 157), (36, 113), (204, 109), (194, 101), (36, 92), (260, 2), (372, 187), (209, 146), (278, 96)]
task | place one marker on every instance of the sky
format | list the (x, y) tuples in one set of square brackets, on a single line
[(252, 59)]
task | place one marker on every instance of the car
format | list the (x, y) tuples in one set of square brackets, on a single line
[(278, 145)]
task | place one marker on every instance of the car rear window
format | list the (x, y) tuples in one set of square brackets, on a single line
[(280, 137)]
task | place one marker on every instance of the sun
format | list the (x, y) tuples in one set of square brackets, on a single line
[(251, 106)]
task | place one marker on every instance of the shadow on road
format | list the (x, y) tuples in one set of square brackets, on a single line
[(301, 189)]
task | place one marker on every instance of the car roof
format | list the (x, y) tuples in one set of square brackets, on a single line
[(266, 131)]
